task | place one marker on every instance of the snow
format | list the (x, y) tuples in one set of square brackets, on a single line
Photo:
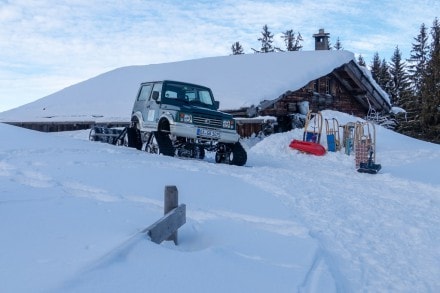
[(236, 81), (397, 110), (368, 74), (72, 212)]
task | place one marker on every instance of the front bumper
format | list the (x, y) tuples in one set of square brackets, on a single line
[(204, 133)]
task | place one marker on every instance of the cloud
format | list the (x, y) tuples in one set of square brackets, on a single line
[(52, 44)]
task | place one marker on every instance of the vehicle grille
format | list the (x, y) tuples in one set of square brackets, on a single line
[(207, 121)]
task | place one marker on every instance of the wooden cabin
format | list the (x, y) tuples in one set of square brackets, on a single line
[(349, 88)]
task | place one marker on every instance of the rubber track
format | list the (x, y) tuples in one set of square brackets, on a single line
[(165, 144)]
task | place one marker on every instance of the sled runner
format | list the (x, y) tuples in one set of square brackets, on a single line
[(313, 127), (348, 137), (311, 137), (333, 139), (365, 146), (369, 167)]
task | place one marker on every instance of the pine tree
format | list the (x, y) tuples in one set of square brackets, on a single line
[(361, 61), (266, 41), (400, 86), (418, 59), (381, 73), (375, 67), (430, 88), (292, 42), (411, 124), (237, 49), (338, 45), (385, 81)]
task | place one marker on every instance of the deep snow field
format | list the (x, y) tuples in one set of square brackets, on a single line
[(72, 212)]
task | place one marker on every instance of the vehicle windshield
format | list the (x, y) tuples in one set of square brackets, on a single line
[(188, 94)]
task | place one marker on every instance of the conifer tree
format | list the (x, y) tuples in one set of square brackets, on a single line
[(375, 67), (237, 49), (385, 81), (430, 88), (411, 124), (418, 59), (380, 72), (400, 86), (266, 41), (292, 42), (385, 76), (338, 45), (361, 61)]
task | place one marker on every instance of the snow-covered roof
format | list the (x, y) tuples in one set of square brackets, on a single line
[(236, 81)]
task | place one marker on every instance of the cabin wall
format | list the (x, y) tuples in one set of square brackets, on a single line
[(249, 129), (325, 93), (63, 126)]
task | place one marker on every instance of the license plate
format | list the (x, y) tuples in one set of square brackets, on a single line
[(208, 132)]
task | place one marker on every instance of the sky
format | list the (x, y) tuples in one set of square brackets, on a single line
[(46, 46)]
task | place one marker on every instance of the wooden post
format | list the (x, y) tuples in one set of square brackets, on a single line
[(174, 217), (171, 201)]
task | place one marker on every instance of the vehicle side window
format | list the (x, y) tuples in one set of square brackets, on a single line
[(190, 95), (170, 93), (144, 94), (173, 92), (205, 97), (158, 87)]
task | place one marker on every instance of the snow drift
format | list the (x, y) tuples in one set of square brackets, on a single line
[(71, 212)]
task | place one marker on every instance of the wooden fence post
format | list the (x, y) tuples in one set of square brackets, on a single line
[(171, 201), (174, 217)]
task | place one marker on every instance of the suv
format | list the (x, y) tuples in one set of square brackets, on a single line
[(177, 118)]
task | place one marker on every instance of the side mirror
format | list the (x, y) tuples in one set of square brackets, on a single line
[(217, 104), (155, 95)]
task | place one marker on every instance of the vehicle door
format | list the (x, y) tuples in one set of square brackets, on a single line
[(142, 99), (152, 107)]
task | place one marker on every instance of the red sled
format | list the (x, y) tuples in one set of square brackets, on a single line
[(308, 147)]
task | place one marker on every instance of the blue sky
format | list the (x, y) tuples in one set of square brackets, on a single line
[(46, 45)]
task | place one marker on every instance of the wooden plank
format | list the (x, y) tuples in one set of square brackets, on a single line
[(167, 225), (171, 201)]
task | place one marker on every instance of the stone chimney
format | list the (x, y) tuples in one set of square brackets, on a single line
[(321, 40)]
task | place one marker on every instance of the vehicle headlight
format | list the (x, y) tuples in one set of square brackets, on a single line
[(184, 117), (228, 124)]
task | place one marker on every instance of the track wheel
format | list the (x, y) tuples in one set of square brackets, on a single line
[(160, 143), (238, 155), (134, 138), (222, 153)]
